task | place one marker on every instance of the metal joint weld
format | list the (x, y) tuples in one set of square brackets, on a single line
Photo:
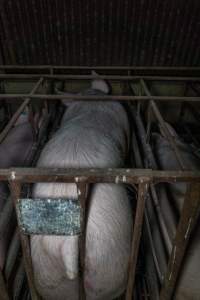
[(13, 176)]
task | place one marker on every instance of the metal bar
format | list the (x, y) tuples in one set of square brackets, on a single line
[(156, 263), (187, 222), (137, 231), (31, 175), (16, 190), (163, 125), (19, 111), (99, 98), (22, 67), (154, 198), (3, 289), (82, 188), (90, 77)]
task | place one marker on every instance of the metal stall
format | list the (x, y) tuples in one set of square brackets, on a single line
[(143, 177)]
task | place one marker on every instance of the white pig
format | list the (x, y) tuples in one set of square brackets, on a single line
[(92, 135), (188, 287)]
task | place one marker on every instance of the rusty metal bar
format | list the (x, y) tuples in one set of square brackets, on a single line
[(163, 126), (22, 67), (137, 231), (19, 111), (99, 97), (106, 77), (187, 222), (82, 190), (156, 263), (31, 175), (15, 191), (3, 289), (153, 197)]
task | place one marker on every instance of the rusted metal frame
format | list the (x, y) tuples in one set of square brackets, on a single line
[(82, 191), (137, 231), (156, 263), (153, 197), (150, 162), (16, 191), (7, 212), (6, 216), (19, 111), (105, 77), (163, 126), (99, 98), (32, 175), (187, 222)]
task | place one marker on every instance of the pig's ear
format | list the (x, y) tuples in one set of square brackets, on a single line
[(99, 84), (171, 130), (66, 102)]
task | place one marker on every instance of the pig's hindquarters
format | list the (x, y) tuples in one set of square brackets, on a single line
[(108, 240)]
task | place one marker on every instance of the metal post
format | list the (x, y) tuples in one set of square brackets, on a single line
[(137, 231), (188, 219), (15, 191), (82, 189)]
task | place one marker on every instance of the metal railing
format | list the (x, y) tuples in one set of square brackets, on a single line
[(144, 179)]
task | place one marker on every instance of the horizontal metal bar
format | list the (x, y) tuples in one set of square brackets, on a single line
[(96, 175), (22, 67), (89, 77), (99, 98)]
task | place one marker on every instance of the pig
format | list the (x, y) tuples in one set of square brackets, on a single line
[(14, 152), (188, 284), (92, 135)]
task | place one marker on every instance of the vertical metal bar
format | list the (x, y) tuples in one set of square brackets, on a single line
[(3, 289), (137, 231), (15, 191), (163, 125), (82, 189), (155, 259), (154, 197), (188, 220)]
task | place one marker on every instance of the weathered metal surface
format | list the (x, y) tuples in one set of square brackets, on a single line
[(29, 175), (103, 32), (187, 222), (82, 195), (137, 231), (16, 190), (99, 98), (116, 77), (49, 216)]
